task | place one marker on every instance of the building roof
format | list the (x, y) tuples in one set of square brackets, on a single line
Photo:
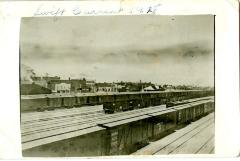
[(104, 84), (97, 94), (149, 88)]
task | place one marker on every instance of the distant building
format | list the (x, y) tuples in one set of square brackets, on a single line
[(169, 87), (153, 88), (91, 85), (47, 78), (76, 85), (149, 88), (106, 87), (120, 88), (62, 88)]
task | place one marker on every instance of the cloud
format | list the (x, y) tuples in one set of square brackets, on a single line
[(138, 55), (121, 47), (184, 52)]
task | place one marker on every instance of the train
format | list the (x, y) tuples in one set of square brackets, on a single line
[(122, 138), (112, 102), (142, 100)]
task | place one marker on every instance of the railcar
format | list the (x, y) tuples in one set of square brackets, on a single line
[(122, 102), (93, 100), (146, 100), (111, 102), (192, 111), (197, 112), (80, 101), (181, 114), (53, 103), (162, 123), (208, 107), (152, 99), (162, 98), (90, 144), (35, 104), (125, 136), (107, 98), (68, 102), (134, 101)]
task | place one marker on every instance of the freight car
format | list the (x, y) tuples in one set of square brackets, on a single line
[(111, 102), (142, 100), (125, 137), (176, 103), (122, 133)]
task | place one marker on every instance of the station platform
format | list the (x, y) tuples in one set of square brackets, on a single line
[(195, 138)]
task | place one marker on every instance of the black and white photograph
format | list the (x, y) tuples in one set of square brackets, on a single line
[(116, 85)]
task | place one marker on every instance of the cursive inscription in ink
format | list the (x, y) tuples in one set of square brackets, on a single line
[(46, 11), (76, 10)]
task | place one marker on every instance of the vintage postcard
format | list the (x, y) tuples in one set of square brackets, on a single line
[(117, 85), (112, 79)]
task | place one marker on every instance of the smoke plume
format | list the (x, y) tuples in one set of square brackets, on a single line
[(26, 74)]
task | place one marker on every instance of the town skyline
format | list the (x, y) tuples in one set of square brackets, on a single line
[(35, 75)]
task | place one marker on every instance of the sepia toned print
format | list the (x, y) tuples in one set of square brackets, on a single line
[(117, 85)]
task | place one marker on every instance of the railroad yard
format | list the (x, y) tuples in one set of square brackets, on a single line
[(142, 86), (90, 131)]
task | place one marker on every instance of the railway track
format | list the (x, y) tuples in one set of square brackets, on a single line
[(58, 127), (74, 119)]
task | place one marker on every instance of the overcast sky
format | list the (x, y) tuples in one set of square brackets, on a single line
[(160, 49)]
